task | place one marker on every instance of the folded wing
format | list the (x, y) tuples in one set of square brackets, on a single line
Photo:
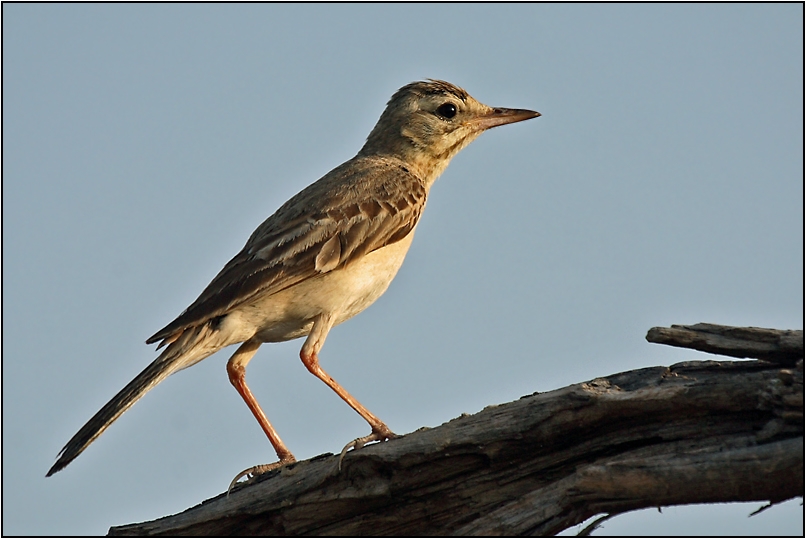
[(323, 228)]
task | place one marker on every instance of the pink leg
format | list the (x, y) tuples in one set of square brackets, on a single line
[(236, 369), (310, 359)]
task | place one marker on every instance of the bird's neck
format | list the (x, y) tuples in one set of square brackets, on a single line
[(427, 161)]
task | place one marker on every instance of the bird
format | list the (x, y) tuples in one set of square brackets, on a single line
[(324, 256)]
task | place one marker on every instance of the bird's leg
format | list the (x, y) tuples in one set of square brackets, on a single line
[(236, 369), (310, 359)]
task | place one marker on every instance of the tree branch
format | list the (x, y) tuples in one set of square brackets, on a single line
[(779, 346), (695, 432)]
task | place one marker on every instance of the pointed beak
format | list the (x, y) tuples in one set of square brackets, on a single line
[(501, 116)]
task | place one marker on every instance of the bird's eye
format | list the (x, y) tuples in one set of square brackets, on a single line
[(447, 110)]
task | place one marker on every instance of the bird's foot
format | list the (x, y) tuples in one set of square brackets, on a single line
[(379, 435), (254, 471)]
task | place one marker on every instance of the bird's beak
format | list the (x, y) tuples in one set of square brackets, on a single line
[(501, 116)]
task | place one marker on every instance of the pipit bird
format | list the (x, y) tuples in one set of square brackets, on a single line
[(323, 257)]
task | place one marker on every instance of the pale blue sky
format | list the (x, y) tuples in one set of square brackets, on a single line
[(142, 144)]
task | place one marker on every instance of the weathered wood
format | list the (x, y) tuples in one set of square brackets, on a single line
[(695, 432), (776, 345)]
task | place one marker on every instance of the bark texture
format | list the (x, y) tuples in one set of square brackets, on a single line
[(695, 432)]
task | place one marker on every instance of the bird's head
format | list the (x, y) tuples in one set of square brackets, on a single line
[(427, 123)]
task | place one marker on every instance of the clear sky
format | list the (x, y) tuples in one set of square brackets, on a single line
[(143, 143)]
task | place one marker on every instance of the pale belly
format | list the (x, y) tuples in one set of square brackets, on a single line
[(343, 293)]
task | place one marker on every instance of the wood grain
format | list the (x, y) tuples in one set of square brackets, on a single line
[(694, 432)]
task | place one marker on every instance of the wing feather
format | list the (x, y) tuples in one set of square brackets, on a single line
[(357, 208)]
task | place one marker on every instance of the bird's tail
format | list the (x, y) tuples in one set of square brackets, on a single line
[(193, 345)]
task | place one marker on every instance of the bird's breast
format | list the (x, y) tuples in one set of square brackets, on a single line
[(343, 293)]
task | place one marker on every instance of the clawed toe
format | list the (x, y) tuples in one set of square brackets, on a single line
[(358, 443), (254, 471)]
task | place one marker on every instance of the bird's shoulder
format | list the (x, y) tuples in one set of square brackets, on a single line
[(358, 207), (349, 191)]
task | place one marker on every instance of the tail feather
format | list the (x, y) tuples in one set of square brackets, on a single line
[(190, 348)]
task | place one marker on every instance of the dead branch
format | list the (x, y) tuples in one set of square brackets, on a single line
[(695, 432), (779, 346)]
